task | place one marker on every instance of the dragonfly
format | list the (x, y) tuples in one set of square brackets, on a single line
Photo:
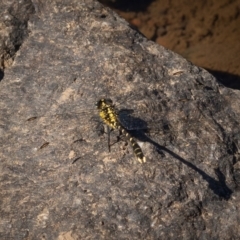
[(127, 121)]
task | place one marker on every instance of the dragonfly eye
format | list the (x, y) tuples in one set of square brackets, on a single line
[(108, 101), (104, 102), (98, 104)]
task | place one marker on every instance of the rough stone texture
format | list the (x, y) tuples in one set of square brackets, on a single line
[(14, 16), (204, 32), (75, 53)]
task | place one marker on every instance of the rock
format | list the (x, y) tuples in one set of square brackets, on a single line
[(14, 16), (77, 52)]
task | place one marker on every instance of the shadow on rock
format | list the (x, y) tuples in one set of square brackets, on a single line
[(126, 5), (219, 186), (1, 74), (227, 79)]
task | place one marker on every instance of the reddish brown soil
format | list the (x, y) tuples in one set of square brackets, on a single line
[(205, 32)]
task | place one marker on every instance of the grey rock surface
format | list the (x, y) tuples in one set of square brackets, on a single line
[(75, 53), (14, 16)]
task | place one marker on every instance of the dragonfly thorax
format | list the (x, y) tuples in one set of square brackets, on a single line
[(108, 113)]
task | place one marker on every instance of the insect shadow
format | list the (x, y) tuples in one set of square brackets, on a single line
[(140, 130)]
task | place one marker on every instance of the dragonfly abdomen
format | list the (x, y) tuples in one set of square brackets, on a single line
[(136, 148)]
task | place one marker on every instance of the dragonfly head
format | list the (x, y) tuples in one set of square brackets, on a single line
[(103, 103)]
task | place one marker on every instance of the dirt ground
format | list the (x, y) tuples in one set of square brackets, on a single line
[(206, 33)]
